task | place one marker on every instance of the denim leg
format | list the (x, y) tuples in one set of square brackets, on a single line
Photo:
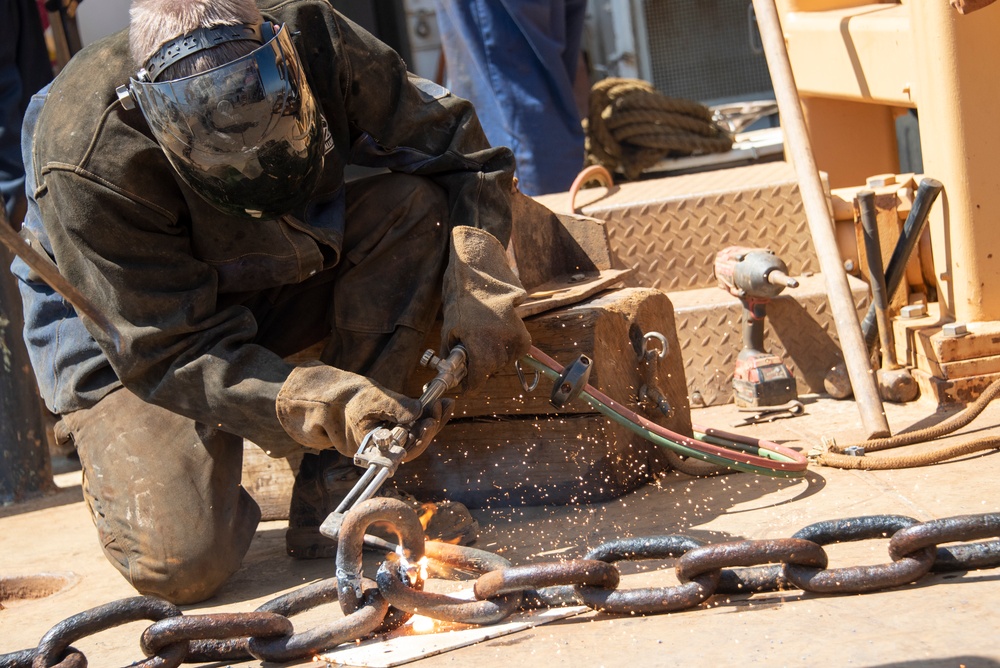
[(24, 69), (516, 61)]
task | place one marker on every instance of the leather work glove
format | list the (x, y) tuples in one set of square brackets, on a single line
[(321, 406), (435, 417), (480, 293)]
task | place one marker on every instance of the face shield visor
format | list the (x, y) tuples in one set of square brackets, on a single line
[(246, 135)]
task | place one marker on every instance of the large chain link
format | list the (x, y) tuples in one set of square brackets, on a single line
[(746, 566)]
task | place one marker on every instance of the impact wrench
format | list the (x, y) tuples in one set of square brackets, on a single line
[(384, 447), (755, 276)]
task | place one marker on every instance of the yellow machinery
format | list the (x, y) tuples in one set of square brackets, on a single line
[(858, 65)]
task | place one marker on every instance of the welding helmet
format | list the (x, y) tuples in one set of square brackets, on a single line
[(246, 135)]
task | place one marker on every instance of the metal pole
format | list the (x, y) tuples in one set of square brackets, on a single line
[(49, 273), (820, 222)]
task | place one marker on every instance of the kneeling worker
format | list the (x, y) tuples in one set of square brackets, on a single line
[(207, 215)]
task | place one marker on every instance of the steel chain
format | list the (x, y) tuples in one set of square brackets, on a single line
[(588, 572), (393, 581), (57, 640), (952, 529), (714, 559), (650, 600), (354, 626), (704, 570), (350, 546), (904, 569), (213, 626)]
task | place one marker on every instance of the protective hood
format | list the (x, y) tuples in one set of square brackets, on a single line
[(246, 135)]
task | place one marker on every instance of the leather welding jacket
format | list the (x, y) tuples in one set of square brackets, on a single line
[(171, 272)]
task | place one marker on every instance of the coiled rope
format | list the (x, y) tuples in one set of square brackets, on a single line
[(834, 455), (632, 126)]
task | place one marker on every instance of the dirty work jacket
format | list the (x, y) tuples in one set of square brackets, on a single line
[(170, 271)]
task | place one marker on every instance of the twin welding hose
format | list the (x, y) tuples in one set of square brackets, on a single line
[(733, 451)]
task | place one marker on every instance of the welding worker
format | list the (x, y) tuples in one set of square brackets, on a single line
[(203, 208)]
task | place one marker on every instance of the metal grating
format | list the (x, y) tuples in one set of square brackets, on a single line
[(705, 50), (670, 229), (800, 329)]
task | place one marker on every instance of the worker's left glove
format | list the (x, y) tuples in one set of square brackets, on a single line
[(480, 294)]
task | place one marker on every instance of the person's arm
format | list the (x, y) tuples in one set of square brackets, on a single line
[(412, 125), (180, 350)]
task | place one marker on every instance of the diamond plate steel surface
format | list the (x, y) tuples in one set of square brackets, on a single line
[(669, 229)]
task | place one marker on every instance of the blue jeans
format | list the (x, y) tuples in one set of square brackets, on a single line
[(516, 61), (24, 68)]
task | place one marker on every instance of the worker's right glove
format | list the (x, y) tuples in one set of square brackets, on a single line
[(479, 296), (321, 407)]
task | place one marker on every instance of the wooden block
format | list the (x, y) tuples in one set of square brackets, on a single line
[(507, 447), (609, 329), (508, 461), (269, 480)]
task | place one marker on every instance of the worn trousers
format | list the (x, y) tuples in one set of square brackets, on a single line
[(164, 491), (517, 60)]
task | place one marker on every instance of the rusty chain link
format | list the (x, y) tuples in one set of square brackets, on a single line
[(905, 568), (737, 567), (104, 617), (172, 631), (651, 599), (393, 581)]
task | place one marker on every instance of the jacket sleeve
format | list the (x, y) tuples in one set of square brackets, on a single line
[(408, 124), (180, 349)]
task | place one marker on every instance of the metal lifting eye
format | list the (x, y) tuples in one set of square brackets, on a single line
[(659, 337), (524, 383)]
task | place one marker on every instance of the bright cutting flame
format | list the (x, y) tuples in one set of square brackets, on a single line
[(421, 624)]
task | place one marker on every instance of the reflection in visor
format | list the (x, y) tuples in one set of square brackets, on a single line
[(245, 135)]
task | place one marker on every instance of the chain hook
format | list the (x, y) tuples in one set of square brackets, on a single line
[(658, 337), (520, 377)]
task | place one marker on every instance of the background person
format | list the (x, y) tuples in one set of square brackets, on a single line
[(517, 61)]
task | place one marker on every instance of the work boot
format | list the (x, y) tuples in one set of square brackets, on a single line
[(446, 521), (325, 478)]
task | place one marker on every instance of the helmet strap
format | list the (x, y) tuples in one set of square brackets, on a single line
[(193, 42)]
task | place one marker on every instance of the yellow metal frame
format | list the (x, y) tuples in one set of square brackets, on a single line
[(857, 65)]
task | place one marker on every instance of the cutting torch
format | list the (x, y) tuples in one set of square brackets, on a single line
[(384, 447)]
